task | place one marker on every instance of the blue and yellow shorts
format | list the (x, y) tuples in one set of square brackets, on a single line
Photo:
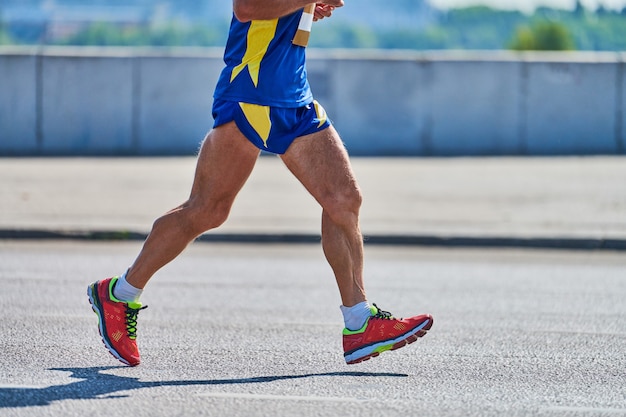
[(271, 129)]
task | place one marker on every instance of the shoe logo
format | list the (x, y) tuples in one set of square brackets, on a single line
[(399, 327), (117, 336)]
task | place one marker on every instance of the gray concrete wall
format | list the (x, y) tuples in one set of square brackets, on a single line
[(19, 107), (474, 107), (86, 104), (95, 101), (573, 107)]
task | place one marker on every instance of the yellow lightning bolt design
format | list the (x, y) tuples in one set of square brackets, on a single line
[(260, 34), (259, 118)]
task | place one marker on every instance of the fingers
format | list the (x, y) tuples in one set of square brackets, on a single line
[(323, 10), (334, 3)]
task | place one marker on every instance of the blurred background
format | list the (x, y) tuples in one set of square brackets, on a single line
[(427, 78), (406, 24)]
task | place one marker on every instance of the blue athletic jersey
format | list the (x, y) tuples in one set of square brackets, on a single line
[(263, 66)]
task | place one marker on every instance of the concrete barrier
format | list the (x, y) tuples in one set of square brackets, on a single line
[(86, 104), (118, 101), (175, 100), (475, 107), (19, 107), (574, 107)]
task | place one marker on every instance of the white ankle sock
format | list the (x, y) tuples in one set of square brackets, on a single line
[(354, 317), (123, 291)]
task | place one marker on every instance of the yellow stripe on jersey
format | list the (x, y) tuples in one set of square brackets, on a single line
[(260, 34), (259, 118)]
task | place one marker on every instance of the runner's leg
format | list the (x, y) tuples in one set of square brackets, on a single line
[(224, 164), (321, 163)]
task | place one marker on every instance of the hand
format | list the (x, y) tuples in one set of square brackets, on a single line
[(323, 10)]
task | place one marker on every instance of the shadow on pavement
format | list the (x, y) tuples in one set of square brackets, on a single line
[(93, 385)]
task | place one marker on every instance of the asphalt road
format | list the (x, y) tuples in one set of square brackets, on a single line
[(252, 330)]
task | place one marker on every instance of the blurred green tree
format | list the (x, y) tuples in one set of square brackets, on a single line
[(542, 36), (4, 38), (171, 34), (343, 36)]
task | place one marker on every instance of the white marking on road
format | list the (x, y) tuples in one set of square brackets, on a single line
[(571, 409), (580, 333), (278, 397)]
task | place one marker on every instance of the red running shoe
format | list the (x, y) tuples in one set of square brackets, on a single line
[(117, 321), (382, 332)]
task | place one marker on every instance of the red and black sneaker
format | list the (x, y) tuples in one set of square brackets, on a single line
[(117, 321), (382, 332)]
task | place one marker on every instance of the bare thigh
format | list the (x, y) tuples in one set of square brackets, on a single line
[(224, 164), (321, 164)]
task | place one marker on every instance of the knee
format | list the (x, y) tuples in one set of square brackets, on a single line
[(209, 216), (343, 207), (194, 218)]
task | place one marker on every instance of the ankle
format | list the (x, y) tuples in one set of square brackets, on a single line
[(123, 291), (355, 317)]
